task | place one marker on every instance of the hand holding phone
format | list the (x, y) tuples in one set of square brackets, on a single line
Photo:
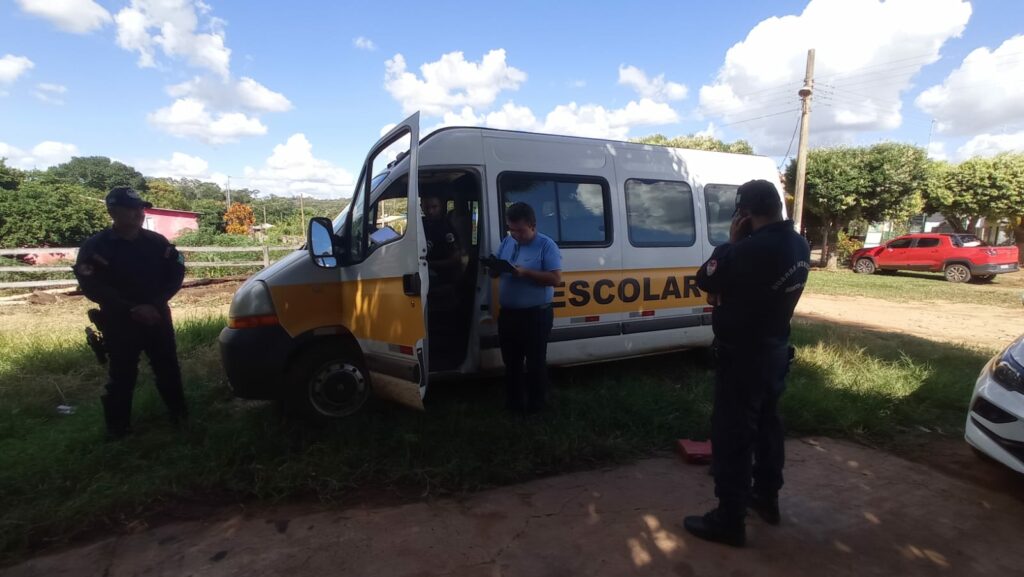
[(740, 229)]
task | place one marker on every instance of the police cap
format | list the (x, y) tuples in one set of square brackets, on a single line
[(759, 198), (127, 197)]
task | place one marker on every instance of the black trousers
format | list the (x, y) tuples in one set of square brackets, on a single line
[(523, 335), (125, 340), (747, 437)]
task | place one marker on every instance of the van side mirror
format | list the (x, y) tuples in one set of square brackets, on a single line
[(320, 241)]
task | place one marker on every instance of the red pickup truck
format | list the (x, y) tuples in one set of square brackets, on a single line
[(960, 257)]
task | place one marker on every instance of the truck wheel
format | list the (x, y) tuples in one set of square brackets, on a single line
[(985, 278), (957, 273), (326, 382), (865, 266)]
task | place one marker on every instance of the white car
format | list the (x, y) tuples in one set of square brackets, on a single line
[(995, 422)]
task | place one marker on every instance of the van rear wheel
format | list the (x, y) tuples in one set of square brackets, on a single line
[(326, 382), (957, 273)]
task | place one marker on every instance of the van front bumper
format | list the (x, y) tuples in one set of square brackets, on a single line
[(255, 360)]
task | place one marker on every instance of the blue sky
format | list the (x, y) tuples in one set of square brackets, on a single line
[(281, 96)]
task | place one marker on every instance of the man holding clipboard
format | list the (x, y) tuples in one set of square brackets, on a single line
[(529, 265)]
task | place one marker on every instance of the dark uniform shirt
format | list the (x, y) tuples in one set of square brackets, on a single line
[(441, 244), (119, 274), (759, 279)]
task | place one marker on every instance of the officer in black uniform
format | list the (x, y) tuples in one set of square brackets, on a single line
[(132, 273), (754, 282), (444, 255)]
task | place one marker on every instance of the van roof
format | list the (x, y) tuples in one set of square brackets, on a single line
[(586, 139)]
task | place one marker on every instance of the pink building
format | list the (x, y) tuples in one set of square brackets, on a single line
[(171, 223), (168, 222)]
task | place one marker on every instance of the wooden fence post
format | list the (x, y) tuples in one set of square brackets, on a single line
[(266, 256)]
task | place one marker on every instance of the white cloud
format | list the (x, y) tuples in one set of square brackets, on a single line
[(711, 131), (451, 82), (11, 67), (364, 43), (292, 169), (598, 122), (512, 117), (991, 145), (867, 52), (179, 165), (578, 84), (226, 95), (75, 16), (983, 94), (188, 117), (937, 151), (50, 93), (43, 155), (173, 26), (657, 88)]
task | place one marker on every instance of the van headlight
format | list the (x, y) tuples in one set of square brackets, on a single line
[(252, 307)]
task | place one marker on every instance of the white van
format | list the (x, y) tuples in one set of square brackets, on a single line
[(358, 311)]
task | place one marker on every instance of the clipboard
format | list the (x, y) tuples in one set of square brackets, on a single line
[(498, 265)]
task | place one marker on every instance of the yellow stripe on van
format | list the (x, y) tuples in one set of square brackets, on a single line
[(375, 309), (584, 293)]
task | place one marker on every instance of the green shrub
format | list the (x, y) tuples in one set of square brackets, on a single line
[(846, 246)]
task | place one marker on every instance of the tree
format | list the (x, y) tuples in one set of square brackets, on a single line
[(698, 143), (977, 188), (239, 219), (10, 177), (194, 189), (95, 172), (211, 215), (40, 214), (882, 182), (164, 195)]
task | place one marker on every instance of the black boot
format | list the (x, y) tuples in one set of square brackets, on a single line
[(118, 427), (714, 526), (767, 508)]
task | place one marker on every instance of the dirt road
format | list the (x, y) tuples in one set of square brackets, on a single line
[(967, 323), (847, 511)]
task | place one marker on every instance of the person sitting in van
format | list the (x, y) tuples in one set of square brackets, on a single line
[(525, 320), (444, 255)]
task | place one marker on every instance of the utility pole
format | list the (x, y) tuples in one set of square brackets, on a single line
[(228, 191), (801, 151), (302, 211)]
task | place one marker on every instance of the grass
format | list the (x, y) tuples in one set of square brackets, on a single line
[(59, 479), (1004, 292)]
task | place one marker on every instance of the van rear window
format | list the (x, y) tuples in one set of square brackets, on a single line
[(660, 213), (572, 210), (720, 200)]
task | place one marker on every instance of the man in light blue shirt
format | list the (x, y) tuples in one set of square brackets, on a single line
[(524, 322)]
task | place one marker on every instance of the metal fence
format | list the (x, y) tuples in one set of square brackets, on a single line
[(72, 253)]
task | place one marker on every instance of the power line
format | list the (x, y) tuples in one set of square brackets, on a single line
[(789, 148), (760, 117)]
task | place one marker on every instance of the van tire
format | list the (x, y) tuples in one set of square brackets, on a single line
[(326, 382), (865, 266), (957, 273)]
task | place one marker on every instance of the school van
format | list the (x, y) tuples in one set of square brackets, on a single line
[(360, 310)]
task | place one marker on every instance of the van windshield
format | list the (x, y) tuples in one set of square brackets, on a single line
[(339, 220)]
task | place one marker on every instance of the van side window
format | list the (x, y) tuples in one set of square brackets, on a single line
[(901, 243), (927, 243), (660, 213), (720, 200), (572, 210)]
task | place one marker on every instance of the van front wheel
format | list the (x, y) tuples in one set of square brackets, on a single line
[(326, 382)]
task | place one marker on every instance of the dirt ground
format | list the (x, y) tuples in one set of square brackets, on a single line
[(847, 510), (961, 323)]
